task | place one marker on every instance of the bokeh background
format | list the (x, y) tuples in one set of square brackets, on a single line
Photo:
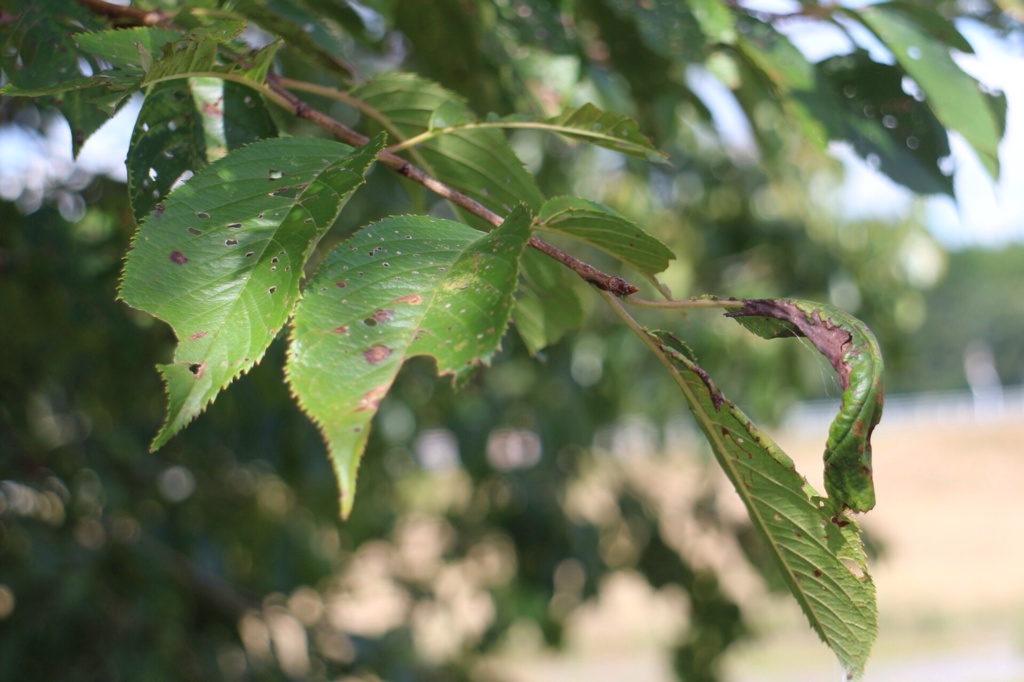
[(558, 517)]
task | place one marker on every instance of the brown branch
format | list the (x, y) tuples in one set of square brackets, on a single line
[(134, 15), (602, 280)]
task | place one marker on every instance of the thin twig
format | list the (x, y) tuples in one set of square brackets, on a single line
[(602, 280), (276, 91), (686, 303), (142, 17)]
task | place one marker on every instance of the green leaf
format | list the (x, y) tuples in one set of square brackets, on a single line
[(956, 98), (478, 162), (666, 26), (222, 261), (821, 558), (128, 49), (886, 124), (194, 54), (604, 129), (175, 134), (549, 303), (39, 57), (167, 141), (853, 351), (600, 226), (791, 78), (405, 286)]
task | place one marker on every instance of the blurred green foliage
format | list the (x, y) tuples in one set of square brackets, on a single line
[(489, 515)]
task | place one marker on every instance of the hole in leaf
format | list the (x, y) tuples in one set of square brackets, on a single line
[(202, 215), (271, 290), (275, 174), (249, 254), (370, 322), (197, 369), (230, 242), (195, 231), (234, 226)]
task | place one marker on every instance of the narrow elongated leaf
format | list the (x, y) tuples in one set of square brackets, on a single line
[(822, 561), (956, 98), (477, 162), (605, 129), (222, 260), (402, 287), (853, 351), (600, 226)]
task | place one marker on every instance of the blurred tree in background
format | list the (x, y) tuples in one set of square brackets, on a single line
[(488, 515)]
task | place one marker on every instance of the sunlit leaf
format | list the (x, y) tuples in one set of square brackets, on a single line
[(222, 259), (405, 286), (821, 558)]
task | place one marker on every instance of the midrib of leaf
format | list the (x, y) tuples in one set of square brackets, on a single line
[(569, 131)]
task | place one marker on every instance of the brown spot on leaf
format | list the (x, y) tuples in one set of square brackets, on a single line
[(198, 335), (376, 353), (340, 284), (382, 315), (178, 258), (342, 329), (371, 399), (411, 299), (831, 340)]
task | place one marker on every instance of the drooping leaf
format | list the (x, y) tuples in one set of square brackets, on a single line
[(853, 351), (477, 162), (600, 226), (897, 133), (956, 98), (549, 303), (222, 260), (822, 562), (405, 286)]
